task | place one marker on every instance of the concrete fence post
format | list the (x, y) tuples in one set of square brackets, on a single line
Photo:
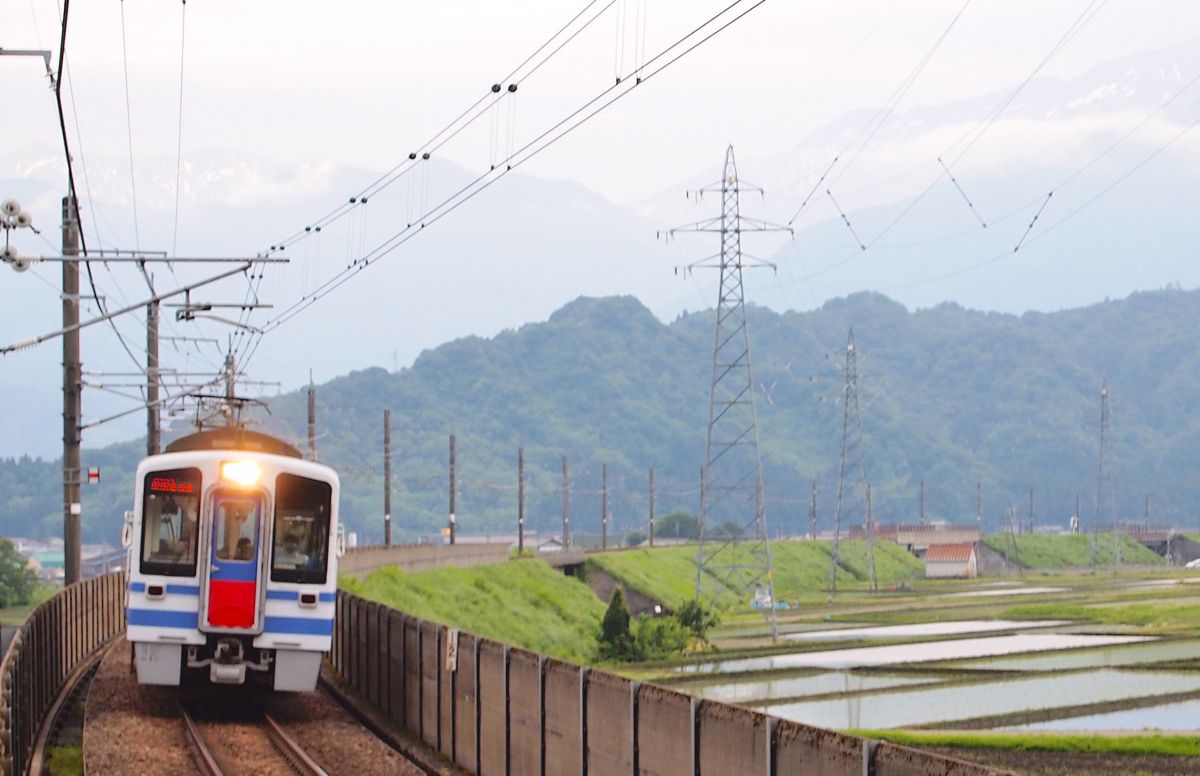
[(507, 716), (541, 669), (868, 757), (584, 675), (634, 689)]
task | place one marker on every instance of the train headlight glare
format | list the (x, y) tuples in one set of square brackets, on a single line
[(245, 473)]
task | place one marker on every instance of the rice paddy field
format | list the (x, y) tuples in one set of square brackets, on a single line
[(1053, 669)]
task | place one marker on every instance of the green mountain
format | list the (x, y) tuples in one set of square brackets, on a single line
[(947, 394)]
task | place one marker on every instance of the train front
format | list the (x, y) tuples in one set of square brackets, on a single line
[(233, 568)]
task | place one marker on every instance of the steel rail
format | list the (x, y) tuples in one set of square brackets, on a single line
[(204, 755), (291, 750)]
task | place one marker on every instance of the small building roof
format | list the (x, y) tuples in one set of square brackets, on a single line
[(949, 553)]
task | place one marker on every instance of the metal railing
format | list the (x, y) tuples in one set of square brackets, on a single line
[(57, 638)]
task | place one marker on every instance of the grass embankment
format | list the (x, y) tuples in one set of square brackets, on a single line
[(1034, 551), (1143, 744), (1165, 618), (525, 603), (668, 574), (15, 615)]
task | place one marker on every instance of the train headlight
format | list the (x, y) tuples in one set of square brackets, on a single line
[(244, 473)]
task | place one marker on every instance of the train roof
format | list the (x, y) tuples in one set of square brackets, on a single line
[(233, 438)]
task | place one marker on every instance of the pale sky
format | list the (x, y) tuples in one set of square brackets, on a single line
[(358, 82)]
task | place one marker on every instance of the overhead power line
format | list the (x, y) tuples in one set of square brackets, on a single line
[(666, 57)]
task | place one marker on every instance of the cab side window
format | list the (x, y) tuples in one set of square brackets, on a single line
[(300, 536), (170, 520)]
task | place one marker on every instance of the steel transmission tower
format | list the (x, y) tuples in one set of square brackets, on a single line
[(734, 552), (1106, 485), (852, 447)]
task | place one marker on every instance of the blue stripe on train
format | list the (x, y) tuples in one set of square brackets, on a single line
[(140, 587), (163, 618), (307, 626), (293, 595)]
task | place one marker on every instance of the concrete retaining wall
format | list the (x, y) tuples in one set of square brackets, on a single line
[(360, 561), (502, 711)]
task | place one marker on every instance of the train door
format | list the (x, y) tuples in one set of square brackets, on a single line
[(234, 549)]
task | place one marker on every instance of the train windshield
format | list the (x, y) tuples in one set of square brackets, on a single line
[(235, 520), (170, 513), (301, 531)]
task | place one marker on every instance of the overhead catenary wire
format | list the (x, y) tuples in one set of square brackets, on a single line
[(179, 125), (975, 132), (460, 122), (666, 57), (137, 238)]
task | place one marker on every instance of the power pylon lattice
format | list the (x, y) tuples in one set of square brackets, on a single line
[(1106, 482), (734, 552), (849, 499)]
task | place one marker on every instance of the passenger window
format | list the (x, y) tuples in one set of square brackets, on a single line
[(170, 516), (236, 530), (300, 534)]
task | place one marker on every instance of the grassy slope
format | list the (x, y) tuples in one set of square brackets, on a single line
[(15, 615), (1180, 745), (1072, 551), (525, 603), (668, 574)]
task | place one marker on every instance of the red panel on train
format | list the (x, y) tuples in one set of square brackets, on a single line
[(231, 604)]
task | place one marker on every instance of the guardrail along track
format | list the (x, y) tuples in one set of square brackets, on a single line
[(289, 755)]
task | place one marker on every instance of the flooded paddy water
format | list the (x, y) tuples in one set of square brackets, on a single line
[(948, 703), (982, 671)]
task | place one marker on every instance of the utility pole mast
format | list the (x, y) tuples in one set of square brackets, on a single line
[(153, 438), (1030, 528), (312, 419), (604, 510), (453, 490), (651, 506), (851, 446), (230, 373), (387, 478), (72, 404), (979, 507), (520, 501), (812, 513), (566, 507), (732, 489), (871, 540), (922, 502), (1106, 486)]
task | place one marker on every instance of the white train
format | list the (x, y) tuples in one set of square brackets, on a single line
[(233, 548)]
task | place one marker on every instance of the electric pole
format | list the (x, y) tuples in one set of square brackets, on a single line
[(312, 419), (871, 540), (153, 438), (566, 507), (979, 507), (732, 491), (812, 513), (1106, 487), (852, 445), (453, 490), (387, 478), (1030, 528), (604, 509), (520, 501), (922, 502), (651, 506), (72, 404)]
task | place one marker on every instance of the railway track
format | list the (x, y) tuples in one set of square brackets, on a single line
[(291, 757)]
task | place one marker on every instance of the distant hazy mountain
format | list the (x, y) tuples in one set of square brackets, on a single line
[(949, 395)]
